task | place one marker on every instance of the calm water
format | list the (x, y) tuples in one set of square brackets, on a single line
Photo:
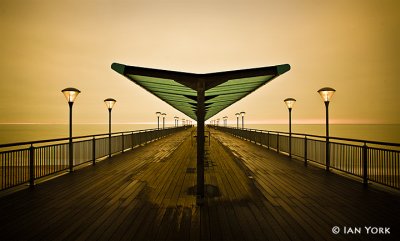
[(29, 132)]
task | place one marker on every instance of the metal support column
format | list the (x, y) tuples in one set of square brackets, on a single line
[(109, 132), (327, 150), (71, 147), (290, 132), (200, 141)]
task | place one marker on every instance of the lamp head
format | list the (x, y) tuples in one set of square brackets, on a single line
[(289, 102), (326, 93), (110, 102), (71, 94)]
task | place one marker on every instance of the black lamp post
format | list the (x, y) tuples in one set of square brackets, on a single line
[(158, 119), (225, 120), (176, 121), (110, 102), (237, 120), (289, 103), (242, 114), (163, 121), (70, 94), (326, 94)]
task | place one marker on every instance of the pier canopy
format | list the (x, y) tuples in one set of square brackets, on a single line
[(180, 89)]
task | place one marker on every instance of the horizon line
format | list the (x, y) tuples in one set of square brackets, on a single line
[(221, 123)]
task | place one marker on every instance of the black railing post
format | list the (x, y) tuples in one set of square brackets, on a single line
[(305, 151), (94, 150), (132, 141), (122, 143), (277, 142), (365, 164), (32, 166)]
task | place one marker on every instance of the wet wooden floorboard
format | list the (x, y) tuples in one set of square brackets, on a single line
[(147, 194)]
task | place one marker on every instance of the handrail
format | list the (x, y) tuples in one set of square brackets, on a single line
[(318, 136), (351, 156), (77, 137), (24, 162)]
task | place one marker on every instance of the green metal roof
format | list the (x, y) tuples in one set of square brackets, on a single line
[(179, 89)]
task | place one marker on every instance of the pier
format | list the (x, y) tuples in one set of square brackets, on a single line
[(149, 193), (199, 183)]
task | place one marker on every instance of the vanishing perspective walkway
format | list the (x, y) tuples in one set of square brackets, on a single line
[(149, 194)]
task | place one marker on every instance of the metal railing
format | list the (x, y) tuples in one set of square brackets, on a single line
[(373, 161), (25, 162)]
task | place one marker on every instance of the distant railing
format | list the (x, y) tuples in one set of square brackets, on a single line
[(25, 162), (370, 160)]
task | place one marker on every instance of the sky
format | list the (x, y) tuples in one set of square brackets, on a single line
[(49, 45)]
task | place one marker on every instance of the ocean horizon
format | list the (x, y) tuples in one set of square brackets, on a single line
[(11, 133)]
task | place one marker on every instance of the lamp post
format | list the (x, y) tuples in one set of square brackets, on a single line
[(110, 102), (289, 103), (163, 120), (237, 120), (242, 114), (158, 119), (70, 94), (326, 94)]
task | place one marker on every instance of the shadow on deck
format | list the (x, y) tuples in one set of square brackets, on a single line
[(148, 194)]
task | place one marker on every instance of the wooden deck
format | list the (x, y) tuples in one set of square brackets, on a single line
[(148, 194)]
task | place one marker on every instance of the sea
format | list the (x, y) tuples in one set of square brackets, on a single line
[(11, 133)]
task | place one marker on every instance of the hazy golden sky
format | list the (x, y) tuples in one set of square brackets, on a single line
[(47, 45)]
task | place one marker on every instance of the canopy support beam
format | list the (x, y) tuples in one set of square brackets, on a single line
[(200, 140)]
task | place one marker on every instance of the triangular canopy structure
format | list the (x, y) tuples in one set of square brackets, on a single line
[(200, 96), (180, 89)]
